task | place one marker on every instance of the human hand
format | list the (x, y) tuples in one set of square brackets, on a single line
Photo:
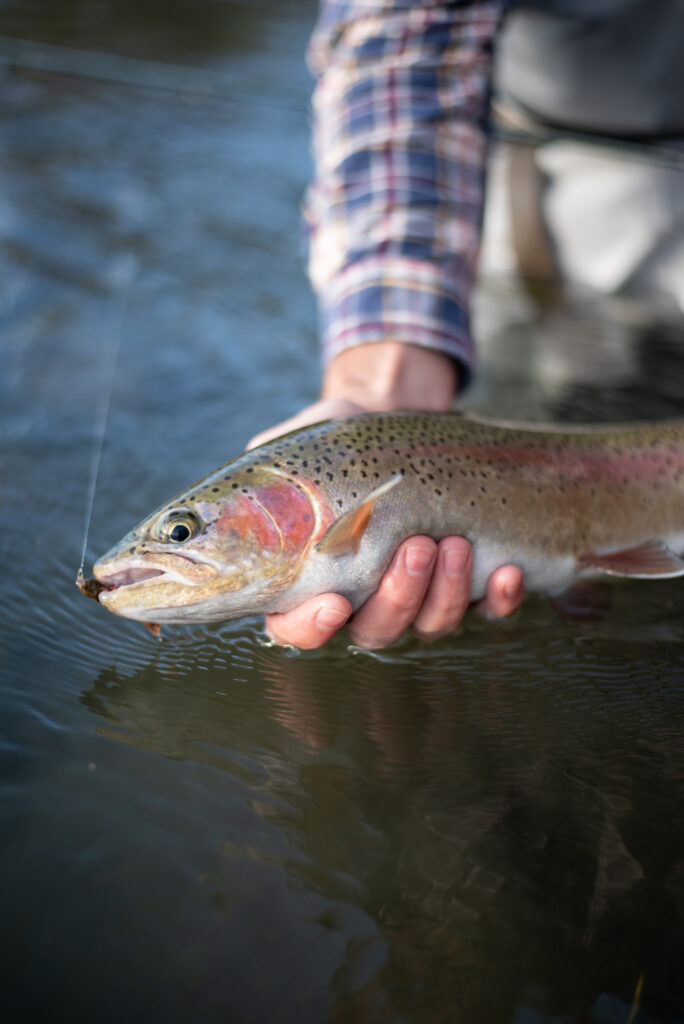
[(427, 584)]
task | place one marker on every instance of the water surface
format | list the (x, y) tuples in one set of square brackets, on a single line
[(488, 829)]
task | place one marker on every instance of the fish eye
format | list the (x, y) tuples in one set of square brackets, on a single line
[(178, 526)]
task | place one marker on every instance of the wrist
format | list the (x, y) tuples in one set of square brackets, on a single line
[(391, 374)]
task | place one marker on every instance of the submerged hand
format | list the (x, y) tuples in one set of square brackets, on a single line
[(427, 584)]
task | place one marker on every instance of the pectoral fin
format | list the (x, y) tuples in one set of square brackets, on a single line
[(650, 560), (344, 536)]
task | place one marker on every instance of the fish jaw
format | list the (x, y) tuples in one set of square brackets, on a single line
[(150, 585)]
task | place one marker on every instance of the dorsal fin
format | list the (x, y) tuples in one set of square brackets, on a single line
[(651, 559), (344, 536)]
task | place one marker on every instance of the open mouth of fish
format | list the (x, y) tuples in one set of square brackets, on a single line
[(129, 577), (166, 569)]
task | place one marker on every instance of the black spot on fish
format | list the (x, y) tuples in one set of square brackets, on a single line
[(235, 487), (214, 490)]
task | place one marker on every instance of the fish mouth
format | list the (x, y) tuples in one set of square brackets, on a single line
[(128, 577), (117, 576), (155, 588)]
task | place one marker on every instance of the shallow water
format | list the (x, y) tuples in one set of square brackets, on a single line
[(212, 829)]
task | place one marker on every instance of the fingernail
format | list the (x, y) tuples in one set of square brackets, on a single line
[(418, 560), (455, 561), (330, 618), (512, 590)]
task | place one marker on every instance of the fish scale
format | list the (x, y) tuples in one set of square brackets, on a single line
[(324, 508)]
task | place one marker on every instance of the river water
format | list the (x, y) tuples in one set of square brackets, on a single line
[(207, 829)]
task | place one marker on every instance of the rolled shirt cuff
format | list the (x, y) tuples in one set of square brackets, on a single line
[(414, 301)]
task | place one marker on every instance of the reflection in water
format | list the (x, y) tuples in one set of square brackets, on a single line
[(482, 806)]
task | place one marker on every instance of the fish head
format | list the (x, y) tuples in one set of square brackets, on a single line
[(222, 549)]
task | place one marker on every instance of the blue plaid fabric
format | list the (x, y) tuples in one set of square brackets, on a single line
[(401, 129)]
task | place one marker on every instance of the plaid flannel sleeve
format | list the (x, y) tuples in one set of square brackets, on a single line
[(401, 125)]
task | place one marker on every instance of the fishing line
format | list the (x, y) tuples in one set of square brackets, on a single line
[(125, 272)]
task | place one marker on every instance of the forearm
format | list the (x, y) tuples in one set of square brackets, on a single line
[(400, 137), (392, 375)]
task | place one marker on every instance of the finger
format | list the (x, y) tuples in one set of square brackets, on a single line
[(505, 591), (324, 409), (393, 607), (448, 594), (311, 624)]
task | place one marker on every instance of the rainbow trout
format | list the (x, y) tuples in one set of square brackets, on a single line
[(324, 508)]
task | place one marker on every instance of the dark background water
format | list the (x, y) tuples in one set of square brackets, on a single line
[(211, 829)]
